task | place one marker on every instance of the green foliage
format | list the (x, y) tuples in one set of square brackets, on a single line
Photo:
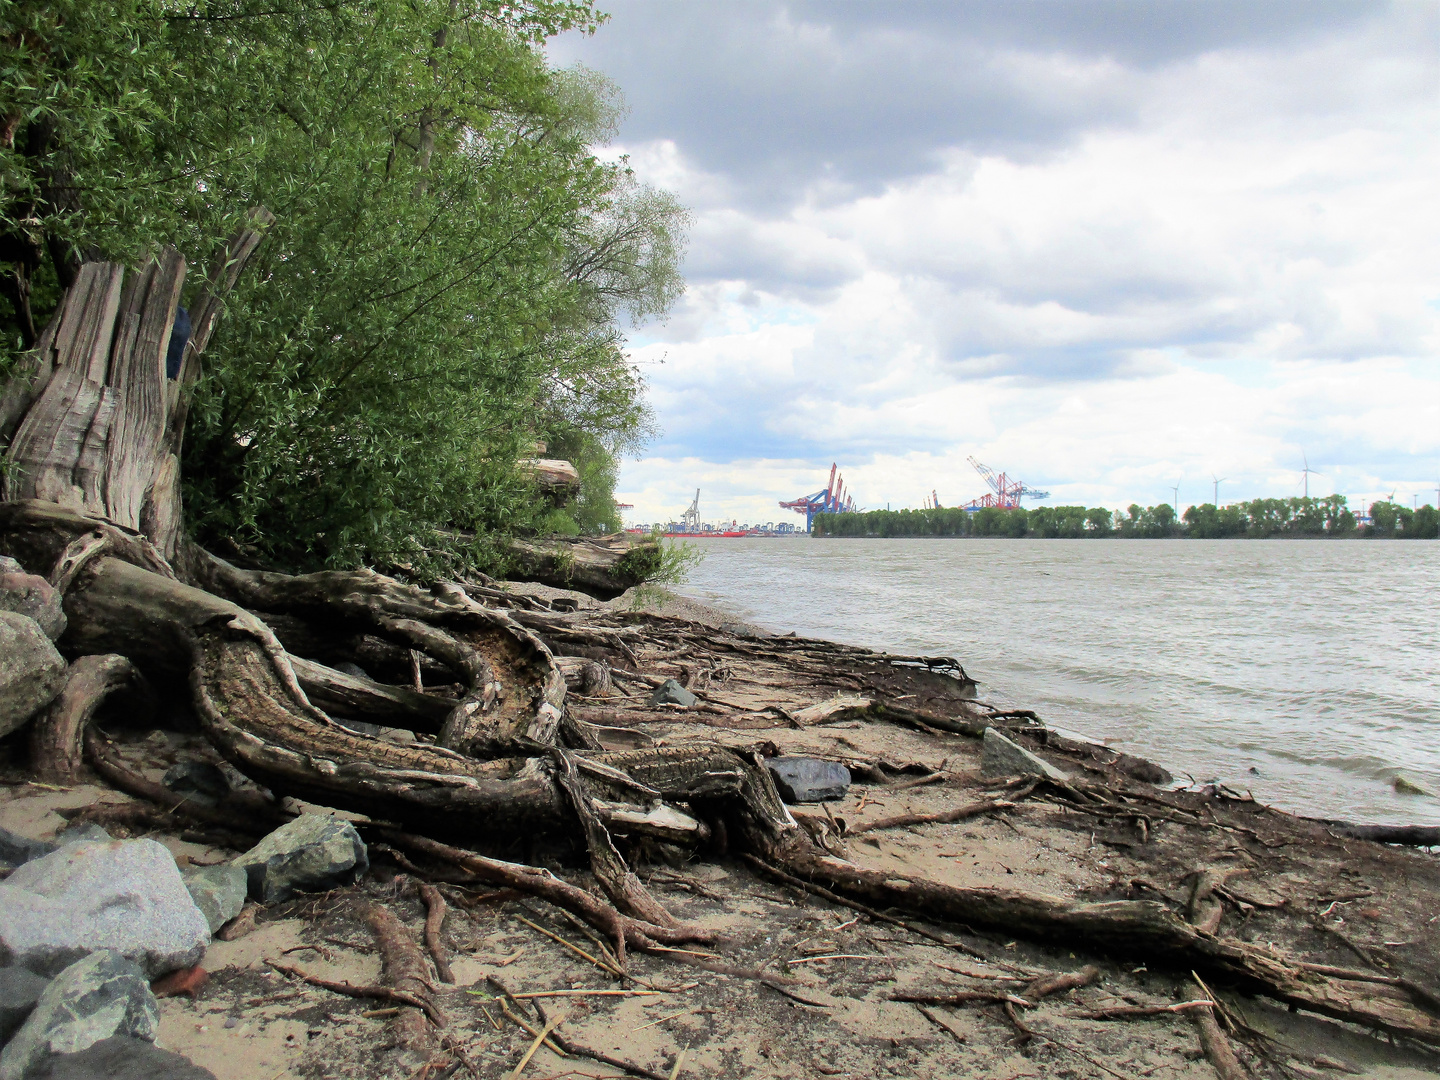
[(1260, 518), (1392, 519), (956, 521), (668, 562), (444, 279), (593, 511), (1148, 522)]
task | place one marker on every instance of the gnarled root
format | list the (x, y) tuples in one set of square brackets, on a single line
[(56, 735)]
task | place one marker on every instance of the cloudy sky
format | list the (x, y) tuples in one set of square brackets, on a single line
[(1107, 247)]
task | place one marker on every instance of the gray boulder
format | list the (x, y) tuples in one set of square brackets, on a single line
[(310, 854), (31, 671), (218, 891), (20, 989), (671, 692), (121, 1057), (124, 895), (805, 779), (16, 850), (92, 999), (1001, 757), (31, 595)]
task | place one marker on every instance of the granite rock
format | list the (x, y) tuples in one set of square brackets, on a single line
[(310, 854), (805, 779), (93, 999), (1001, 757), (121, 1057), (20, 989), (32, 595), (671, 692), (218, 891), (124, 895), (31, 671)]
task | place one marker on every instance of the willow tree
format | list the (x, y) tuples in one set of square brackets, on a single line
[(443, 280)]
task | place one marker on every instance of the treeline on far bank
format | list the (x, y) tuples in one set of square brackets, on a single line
[(1259, 518)]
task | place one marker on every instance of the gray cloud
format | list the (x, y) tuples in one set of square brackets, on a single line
[(785, 99)]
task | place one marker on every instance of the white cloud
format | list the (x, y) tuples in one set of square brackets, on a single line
[(1241, 272)]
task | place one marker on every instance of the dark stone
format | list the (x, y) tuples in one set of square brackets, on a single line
[(16, 850), (91, 1000), (804, 779), (218, 891), (121, 1058), (1140, 769), (313, 853), (196, 778), (19, 990), (671, 692), (345, 667)]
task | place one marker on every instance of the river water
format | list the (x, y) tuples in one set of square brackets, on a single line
[(1314, 663)]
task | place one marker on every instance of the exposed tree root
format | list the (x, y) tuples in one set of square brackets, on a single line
[(254, 709), (402, 967), (56, 735), (434, 920), (625, 931)]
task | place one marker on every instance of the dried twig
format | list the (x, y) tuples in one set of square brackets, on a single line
[(369, 990), (945, 817), (564, 1045)]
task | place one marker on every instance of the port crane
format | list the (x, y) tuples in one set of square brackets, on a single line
[(1004, 492), (831, 500), (690, 519)]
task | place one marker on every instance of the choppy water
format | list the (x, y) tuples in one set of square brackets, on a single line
[(1315, 663)]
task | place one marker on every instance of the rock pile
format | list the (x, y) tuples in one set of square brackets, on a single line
[(88, 923)]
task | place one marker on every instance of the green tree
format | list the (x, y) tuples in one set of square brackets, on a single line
[(445, 277)]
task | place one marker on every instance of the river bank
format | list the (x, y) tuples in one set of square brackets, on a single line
[(1268, 880)]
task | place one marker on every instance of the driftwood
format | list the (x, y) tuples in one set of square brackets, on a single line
[(558, 479), (1416, 835), (602, 566)]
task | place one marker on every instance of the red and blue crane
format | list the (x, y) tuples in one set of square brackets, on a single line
[(1004, 492), (832, 499)]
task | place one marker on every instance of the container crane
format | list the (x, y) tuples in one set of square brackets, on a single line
[(830, 500), (1004, 492)]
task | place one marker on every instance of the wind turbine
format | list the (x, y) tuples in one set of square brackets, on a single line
[(1175, 501), (1307, 471), (1218, 480)]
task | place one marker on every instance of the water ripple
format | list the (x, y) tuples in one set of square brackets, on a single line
[(1314, 663)]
